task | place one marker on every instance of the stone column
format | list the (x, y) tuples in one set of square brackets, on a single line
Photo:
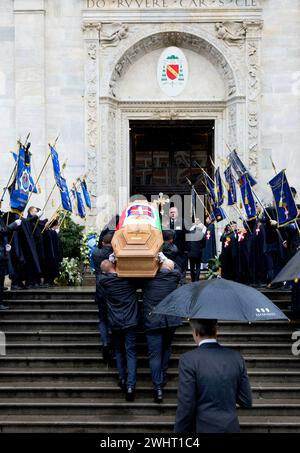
[(29, 18), (253, 50), (91, 97)]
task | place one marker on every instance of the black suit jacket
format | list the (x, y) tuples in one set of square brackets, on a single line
[(212, 380)]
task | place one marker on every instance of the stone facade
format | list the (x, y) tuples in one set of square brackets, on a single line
[(82, 69)]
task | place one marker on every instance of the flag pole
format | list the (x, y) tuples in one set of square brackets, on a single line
[(198, 196)]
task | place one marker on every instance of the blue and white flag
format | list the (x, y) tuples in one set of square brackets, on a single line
[(231, 187), (21, 187), (80, 205), (210, 186), (86, 194), (285, 204), (55, 163), (32, 187)]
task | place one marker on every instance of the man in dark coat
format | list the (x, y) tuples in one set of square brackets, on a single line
[(120, 294), (159, 329), (169, 249), (53, 253), (177, 225), (229, 255), (212, 380), (37, 226), (195, 245), (4, 251), (103, 253)]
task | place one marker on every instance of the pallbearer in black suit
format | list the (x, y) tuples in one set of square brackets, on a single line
[(212, 380), (159, 329)]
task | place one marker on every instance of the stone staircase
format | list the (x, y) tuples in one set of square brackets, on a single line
[(53, 378)]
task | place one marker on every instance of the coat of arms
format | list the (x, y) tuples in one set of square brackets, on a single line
[(172, 71)]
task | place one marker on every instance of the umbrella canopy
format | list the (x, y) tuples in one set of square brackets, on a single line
[(219, 299), (291, 270)]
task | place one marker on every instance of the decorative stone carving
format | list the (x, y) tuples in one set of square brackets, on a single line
[(112, 34), (91, 37), (165, 39), (253, 92), (233, 33)]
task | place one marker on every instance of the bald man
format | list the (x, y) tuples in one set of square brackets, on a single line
[(159, 329), (122, 312)]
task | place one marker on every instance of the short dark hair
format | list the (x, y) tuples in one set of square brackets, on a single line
[(168, 235), (107, 238), (204, 327)]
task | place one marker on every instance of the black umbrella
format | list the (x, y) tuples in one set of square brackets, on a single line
[(291, 270), (219, 299)]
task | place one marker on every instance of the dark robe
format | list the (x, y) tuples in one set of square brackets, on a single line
[(210, 247), (53, 254), (229, 256)]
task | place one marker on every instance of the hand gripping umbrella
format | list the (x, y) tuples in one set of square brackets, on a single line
[(219, 299)]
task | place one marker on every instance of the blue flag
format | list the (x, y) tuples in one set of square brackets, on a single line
[(284, 200), (219, 188), (64, 193), (55, 163), (240, 168), (231, 187), (20, 189), (210, 188), (217, 214), (92, 244), (247, 197), (80, 205), (32, 187), (86, 194)]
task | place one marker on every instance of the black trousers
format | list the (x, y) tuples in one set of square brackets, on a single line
[(195, 264)]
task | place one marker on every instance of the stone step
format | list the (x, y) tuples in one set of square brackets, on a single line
[(68, 406), (143, 392), (92, 325), (91, 376), (96, 362), (140, 424), (182, 334), (178, 347)]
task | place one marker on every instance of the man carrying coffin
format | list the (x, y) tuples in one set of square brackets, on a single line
[(120, 294), (159, 329)]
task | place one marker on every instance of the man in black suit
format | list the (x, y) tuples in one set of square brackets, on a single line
[(123, 319), (212, 380)]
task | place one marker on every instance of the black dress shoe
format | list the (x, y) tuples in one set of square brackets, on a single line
[(122, 384), (158, 396), (3, 307), (130, 394)]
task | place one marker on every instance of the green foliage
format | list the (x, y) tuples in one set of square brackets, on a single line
[(71, 236), (214, 267)]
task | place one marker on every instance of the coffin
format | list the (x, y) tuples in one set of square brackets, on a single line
[(137, 241)]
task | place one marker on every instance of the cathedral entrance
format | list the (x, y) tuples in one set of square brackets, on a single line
[(165, 153)]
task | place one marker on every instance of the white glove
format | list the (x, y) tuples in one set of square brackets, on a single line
[(39, 214), (161, 257), (18, 222), (8, 247), (112, 258)]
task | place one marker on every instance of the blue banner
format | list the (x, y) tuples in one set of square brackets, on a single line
[(285, 204), (217, 214), (219, 188), (55, 163), (231, 187), (64, 193), (32, 187), (80, 205), (240, 168), (210, 188), (86, 194), (247, 197), (20, 189)]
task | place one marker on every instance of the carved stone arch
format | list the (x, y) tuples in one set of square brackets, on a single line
[(203, 43)]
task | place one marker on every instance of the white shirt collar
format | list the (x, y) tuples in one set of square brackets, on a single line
[(209, 340)]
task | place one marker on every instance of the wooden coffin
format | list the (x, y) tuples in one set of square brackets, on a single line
[(136, 248)]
